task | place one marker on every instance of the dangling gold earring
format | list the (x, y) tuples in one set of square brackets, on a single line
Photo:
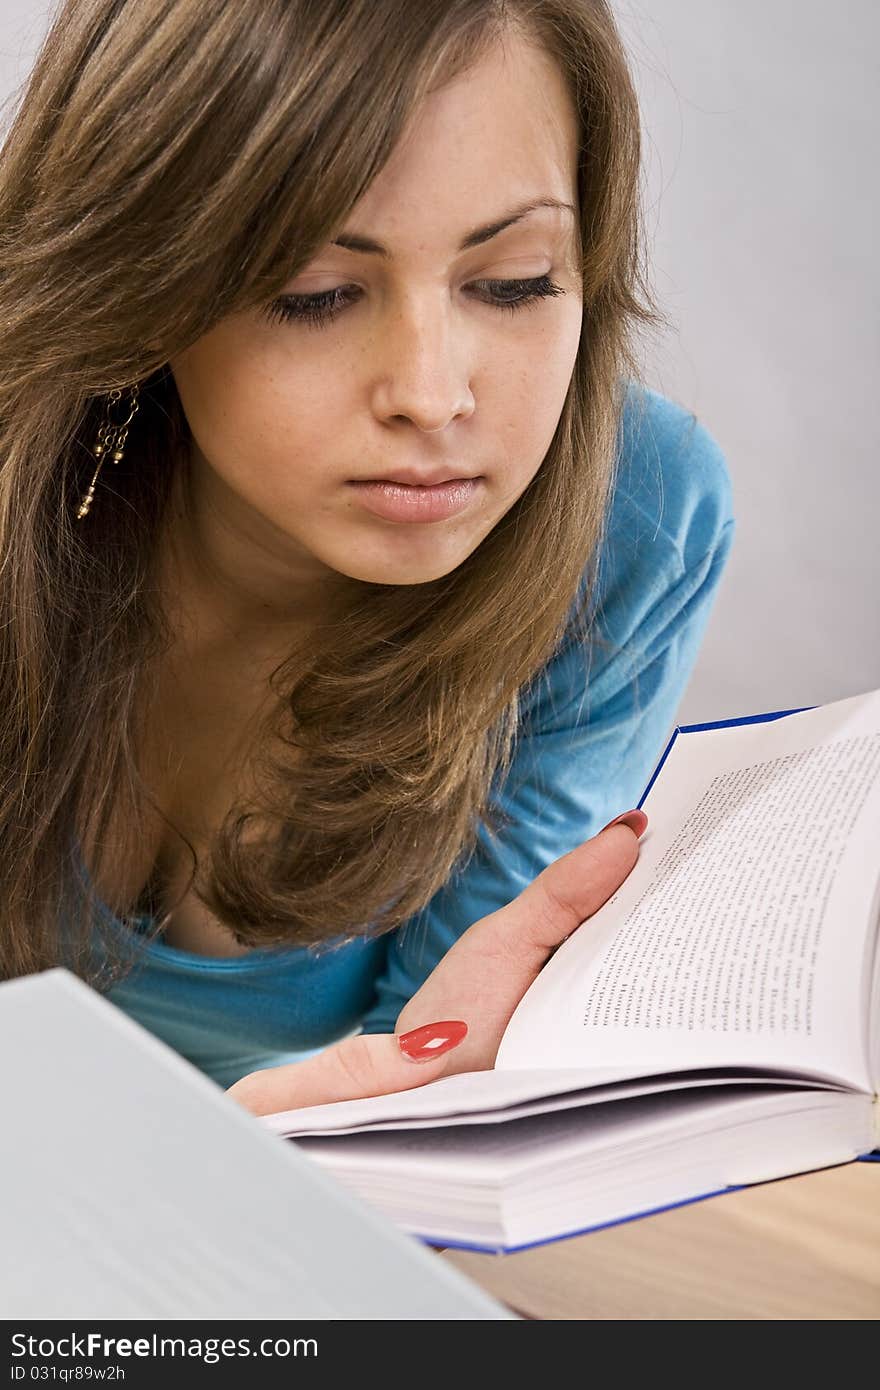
[(112, 435)]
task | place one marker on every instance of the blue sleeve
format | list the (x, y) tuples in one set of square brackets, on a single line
[(596, 718)]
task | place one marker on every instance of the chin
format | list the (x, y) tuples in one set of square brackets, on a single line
[(393, 572)]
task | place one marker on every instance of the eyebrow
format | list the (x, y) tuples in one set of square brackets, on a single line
[(353, 241)]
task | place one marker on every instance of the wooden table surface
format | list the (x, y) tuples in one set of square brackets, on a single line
[(801, 1248)]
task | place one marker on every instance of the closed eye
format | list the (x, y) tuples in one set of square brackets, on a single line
[(318, 309)]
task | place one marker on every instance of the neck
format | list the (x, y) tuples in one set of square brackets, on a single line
[(229, 577)]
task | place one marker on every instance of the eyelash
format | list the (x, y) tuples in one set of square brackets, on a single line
[(318, 309)]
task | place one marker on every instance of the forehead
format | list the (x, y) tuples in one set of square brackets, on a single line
[(504, 132)]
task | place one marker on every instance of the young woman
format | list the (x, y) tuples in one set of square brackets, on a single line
[(351, 581)]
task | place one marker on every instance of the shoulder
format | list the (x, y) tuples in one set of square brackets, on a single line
[(668, 534), (667, 538), (672, 504)]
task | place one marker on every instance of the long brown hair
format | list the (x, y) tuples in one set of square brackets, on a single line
[(171, 162)]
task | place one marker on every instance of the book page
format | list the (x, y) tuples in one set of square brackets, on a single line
[(496, 1097), (745, 933)]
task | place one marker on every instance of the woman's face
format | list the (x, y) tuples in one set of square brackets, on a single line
[(429, 359)]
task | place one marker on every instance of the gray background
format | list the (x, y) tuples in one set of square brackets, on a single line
[(761, 135)]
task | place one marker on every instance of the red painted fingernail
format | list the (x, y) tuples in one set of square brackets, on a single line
[(636, 820), (421, 1044)]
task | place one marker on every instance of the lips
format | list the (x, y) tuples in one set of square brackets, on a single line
[(410, 478), (409, 502)]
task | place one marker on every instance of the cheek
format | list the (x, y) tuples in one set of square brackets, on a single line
[(530, 392), (555, 353), (251, 420), (223, 399)]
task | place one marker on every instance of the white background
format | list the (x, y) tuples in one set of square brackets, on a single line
[(760, 174), (761, 156)]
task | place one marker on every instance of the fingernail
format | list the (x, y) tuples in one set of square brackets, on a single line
[(636, 820), (421, 1044)]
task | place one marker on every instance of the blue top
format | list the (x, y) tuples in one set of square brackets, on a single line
[(588, 749)]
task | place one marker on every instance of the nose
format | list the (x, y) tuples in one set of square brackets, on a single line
[(419, 369)]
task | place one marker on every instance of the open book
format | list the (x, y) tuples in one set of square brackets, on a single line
[(716, 1023)]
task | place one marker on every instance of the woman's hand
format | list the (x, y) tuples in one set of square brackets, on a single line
[(479, 982)]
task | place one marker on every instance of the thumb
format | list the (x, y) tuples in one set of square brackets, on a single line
[(559, 899), (369, 1064)]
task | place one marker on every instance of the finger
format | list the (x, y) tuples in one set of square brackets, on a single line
[(370, 1064), (562, 896)]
